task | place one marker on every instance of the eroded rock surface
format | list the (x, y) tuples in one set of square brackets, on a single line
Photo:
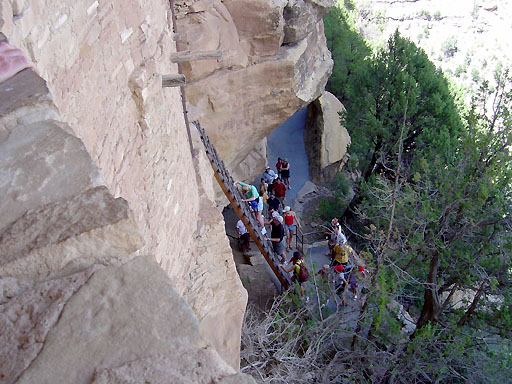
[(326, 139), (75, 301), (259, 82)]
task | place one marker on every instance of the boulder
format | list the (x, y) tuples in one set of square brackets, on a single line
[(111, 324), (91, 227), (301, 16), (327, 139)]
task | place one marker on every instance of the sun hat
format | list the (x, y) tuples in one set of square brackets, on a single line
[(286, 209), (275, 214), (339, 268)]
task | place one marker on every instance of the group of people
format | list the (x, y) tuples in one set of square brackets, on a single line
[(268, 204), (345, 273)]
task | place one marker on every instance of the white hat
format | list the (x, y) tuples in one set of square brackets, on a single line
[(275, 214), (280, 218), (286, 209)]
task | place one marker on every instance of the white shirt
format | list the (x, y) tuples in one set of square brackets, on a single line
[(241, 227), (269, 176), (340, 238)]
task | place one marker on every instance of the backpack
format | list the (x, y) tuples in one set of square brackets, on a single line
[(341, 253), (303, 272)]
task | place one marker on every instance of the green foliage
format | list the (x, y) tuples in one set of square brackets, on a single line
[(449, 47), (424, 14), (333, 206), (443, 225), (375, 108), (347, 48)]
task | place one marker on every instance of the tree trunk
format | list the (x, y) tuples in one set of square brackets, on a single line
[(431, 306), (473, 305)]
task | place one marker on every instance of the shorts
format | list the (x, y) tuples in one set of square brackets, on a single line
[(257, 207), (278, 247), (260, 205), (289, 227), (285, 173)]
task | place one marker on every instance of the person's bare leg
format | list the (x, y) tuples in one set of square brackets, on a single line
[(259, 217)]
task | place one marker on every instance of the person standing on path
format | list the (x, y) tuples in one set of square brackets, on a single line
[(243, 236), (277, 235), (285, 173), (274, 204), (278, 166), (341, 283), (269, 176), (298, 263), (289, 217), (254, 200), (279, 190)]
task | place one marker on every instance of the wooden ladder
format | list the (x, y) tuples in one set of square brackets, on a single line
[(241, 208)]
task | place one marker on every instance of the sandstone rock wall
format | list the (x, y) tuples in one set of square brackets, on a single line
[(76, 303), (275, 61), (326, 139), (103, 62)]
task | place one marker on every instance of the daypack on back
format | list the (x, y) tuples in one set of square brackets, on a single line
[(303, 272), (341, 253)]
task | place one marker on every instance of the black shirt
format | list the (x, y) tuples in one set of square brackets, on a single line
[(273, 203), (277, 230)]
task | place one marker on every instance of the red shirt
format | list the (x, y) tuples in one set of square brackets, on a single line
[(280, 190)]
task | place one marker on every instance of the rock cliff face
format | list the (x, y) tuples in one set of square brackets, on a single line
[(327, 140), (76, 303), (103, 63), (275, 62)]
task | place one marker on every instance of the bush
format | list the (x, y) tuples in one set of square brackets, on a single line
[(449, 47), (335, 205)]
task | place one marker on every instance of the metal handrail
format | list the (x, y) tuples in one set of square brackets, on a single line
[(299, 238)]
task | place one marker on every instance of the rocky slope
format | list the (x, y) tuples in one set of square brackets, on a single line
[(467, 39)]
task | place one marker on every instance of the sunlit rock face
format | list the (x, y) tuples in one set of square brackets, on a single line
[(103, 62), (274, 62), (123, 137), (326, 139)]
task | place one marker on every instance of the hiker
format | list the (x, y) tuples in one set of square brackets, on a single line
[(274, 204), (279, 190), (300, 270), (337, 237), (335, 223), (340, 283), (289, 217), (363, 282), (277, 235), (254, 200), (264, 195), (243, 236), (341, 254), (269, 176), (278, 166), (324, 271), (285, 173)]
